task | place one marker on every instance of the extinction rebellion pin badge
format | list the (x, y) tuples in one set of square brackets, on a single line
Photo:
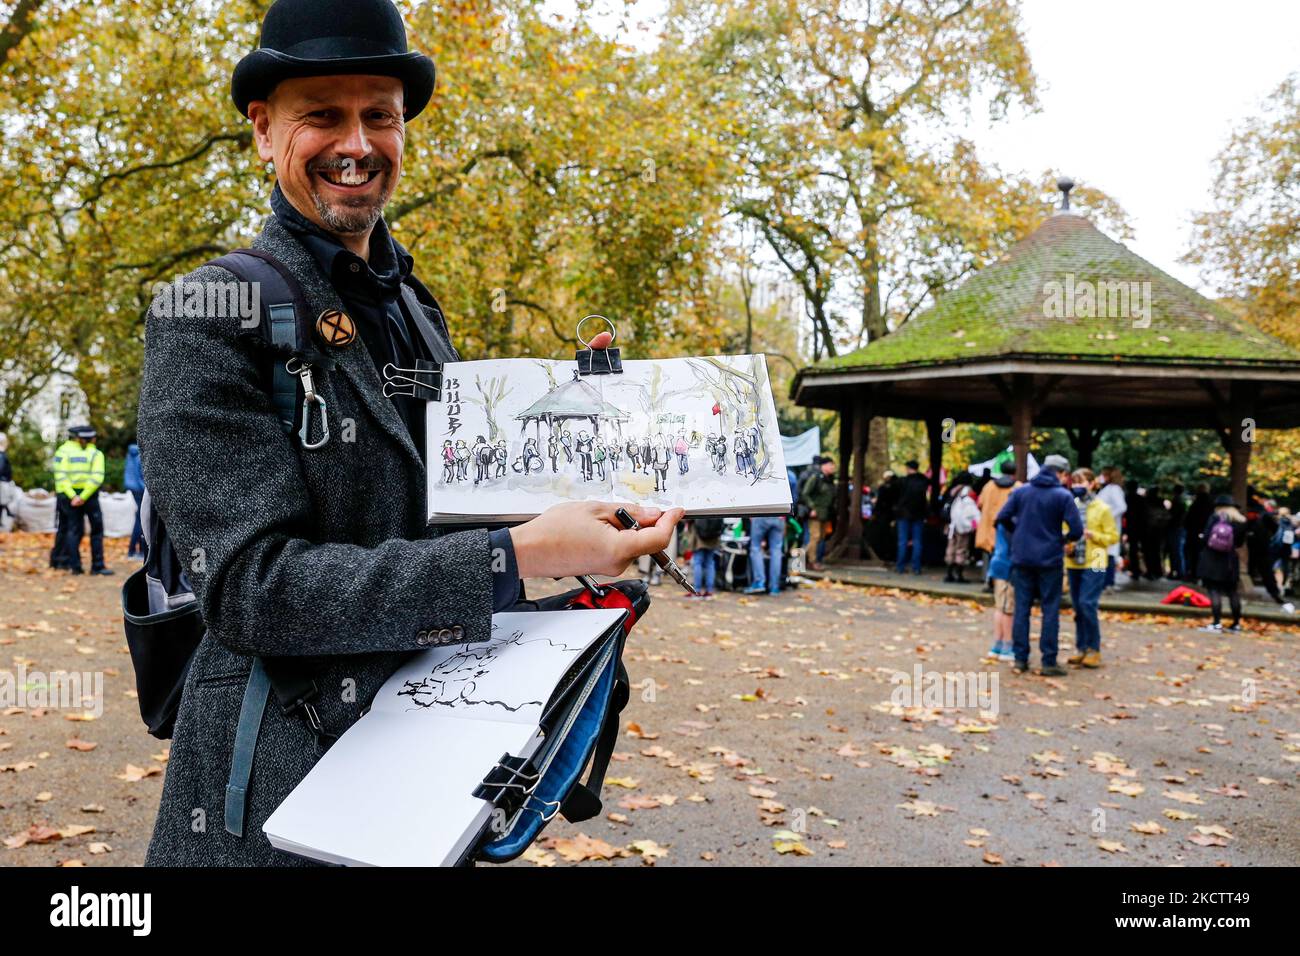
[(336, 328)]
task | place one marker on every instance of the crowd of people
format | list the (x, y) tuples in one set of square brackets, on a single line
[(1075, 530)]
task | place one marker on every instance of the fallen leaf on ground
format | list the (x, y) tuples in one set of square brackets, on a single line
[(582, 847), (1151, 827), (648, 849), (133, 774)]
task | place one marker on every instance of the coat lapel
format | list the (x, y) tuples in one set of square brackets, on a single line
[(354, 361)]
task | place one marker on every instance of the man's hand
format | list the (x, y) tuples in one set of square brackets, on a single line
[(584, 537), (77, 502)]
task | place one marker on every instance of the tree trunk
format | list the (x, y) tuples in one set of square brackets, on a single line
[(1084, 441), (877, 450)]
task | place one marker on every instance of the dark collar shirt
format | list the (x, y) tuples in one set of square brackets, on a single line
[(372, 297)]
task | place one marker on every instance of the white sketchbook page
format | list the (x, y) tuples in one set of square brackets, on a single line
[(396, 788), (508, 677), (396, 792), (718, 409)]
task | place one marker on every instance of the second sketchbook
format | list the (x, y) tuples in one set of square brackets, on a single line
[(511, 437)]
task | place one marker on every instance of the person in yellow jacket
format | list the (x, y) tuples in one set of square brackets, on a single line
[(1085, 563), (78, 474)]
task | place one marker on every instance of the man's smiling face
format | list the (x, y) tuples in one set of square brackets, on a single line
[(336, 142)]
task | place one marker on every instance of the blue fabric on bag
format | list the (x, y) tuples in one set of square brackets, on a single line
[(565, 769)]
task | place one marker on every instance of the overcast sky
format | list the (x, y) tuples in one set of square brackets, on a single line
[(1137, 97)]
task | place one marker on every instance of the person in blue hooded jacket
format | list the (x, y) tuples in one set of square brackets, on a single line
[(133, 478), (1035, 514)]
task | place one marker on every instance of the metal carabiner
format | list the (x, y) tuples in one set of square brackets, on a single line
[(303, 432), (309, 397)]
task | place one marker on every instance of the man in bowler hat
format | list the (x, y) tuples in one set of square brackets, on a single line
[(322, 554)]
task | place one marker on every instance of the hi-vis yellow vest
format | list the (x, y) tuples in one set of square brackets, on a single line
[(78, 471)]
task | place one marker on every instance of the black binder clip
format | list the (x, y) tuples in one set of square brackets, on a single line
[(509, 783), (423, 382), (609, 361)]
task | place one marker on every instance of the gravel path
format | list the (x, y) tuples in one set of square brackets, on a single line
[(768, 731)]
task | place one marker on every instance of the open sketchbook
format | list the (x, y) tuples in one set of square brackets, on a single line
[(511, 437), (397, 788)]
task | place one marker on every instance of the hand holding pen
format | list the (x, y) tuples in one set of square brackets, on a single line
[(588, 537), (666, 564)]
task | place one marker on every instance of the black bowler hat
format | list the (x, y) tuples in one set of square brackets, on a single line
[(332, 38)]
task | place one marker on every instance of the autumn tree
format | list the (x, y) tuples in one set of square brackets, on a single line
[(555, 173), (1248, 246)]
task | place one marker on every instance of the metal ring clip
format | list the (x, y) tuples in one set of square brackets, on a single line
[(613, 332)]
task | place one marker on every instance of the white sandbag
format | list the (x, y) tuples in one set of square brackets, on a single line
[(36, 510), (9, 493), (119, 514)]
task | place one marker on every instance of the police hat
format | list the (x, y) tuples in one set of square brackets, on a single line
[(332, 38), (82, 431)]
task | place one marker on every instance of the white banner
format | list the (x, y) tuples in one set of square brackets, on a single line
[(800, 449)]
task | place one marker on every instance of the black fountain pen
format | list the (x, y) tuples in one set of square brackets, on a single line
[(666, 564)]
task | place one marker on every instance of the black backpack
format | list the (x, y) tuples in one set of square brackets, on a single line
[(708, 527), (161, 616)]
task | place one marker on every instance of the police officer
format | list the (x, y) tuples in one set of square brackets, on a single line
[(78, 473)]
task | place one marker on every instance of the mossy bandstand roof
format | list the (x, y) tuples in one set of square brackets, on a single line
[(1001, 334)]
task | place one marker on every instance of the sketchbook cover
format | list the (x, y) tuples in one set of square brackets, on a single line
[(511, 437), (397, 788)]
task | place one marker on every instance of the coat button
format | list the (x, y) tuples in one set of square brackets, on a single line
[(444, 636), (421, 639), (458, 632)]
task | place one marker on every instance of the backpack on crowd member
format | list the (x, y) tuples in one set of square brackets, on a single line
[(708, 528), (1283, 538), (1222, 537)]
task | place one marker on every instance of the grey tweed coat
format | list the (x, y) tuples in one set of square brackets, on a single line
[(323, 554)]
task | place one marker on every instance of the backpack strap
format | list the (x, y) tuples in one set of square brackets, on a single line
[(284, 326), (285, 332), (294, 691), (437, 341), (251, 710)]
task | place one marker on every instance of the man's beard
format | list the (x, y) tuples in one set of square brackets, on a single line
[(351, 216)]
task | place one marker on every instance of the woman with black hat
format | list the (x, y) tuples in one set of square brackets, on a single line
[(1218, 566)]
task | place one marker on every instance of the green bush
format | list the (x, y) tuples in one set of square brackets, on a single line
[(30, 456)]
